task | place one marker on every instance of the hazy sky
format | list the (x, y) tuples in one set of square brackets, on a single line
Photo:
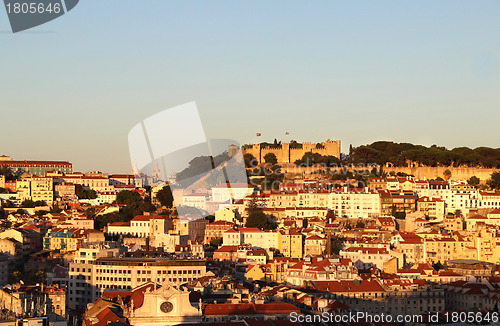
[(359, 71)]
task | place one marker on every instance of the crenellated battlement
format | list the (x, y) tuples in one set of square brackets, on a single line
[(285, 154)]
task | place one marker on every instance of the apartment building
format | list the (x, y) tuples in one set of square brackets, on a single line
[(234, 191), (290, 243), (80, 288), (354, 203), (142, 226), (38, 168), (252, 236), (216, 229), (121, 274), (444, 248), (197, 200), (371, 296)]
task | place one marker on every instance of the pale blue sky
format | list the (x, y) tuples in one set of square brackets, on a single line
[(359, 71)]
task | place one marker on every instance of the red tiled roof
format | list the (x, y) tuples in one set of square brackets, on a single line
[(227, 249), (225, 309), (120, 224), (233, 185), (349, 286), (107, 316)]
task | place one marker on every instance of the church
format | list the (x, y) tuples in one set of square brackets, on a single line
[(146, 305)]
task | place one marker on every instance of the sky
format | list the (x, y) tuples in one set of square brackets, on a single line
[(425, 72)]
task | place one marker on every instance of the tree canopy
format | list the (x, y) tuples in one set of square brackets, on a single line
[(310, 158), (382, 152), (165, 197), (250, 160), (494, 182), (85, 194), (474, 181), (270, 158), (7, 172), (256, 216), (128, 197)]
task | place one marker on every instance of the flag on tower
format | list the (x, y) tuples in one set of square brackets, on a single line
[(259, 134)]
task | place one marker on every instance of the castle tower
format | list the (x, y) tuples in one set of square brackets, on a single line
[(285, 152)]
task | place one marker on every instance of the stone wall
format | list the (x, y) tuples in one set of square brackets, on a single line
[(457, 173), (285, 154)]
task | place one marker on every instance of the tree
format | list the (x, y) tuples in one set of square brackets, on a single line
[(270, 158), (5, 225), (447, 174), (257, 219), (16, 276), (474, 181), (39, 203), (165, 197), (84, 194), (437, 266), (360, 225), (494, 182), (216, 242), (7, 172), (336, 244), (250, 160), (253, 204), (128, 197), (397, 215), (9, 204), (40, 276), (458, 213), (27, 204)]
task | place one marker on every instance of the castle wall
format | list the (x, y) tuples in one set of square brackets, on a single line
[(457, 173), (285, 154)]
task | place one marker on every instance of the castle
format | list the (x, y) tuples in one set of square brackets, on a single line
[(285, 154)]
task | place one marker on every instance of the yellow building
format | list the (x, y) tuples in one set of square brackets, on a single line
[(63, 240), (255, 273), (290, 243), (35, 189), (443, 249), (432, 207), (453, 223), (488, 244), (42, 189), (23, 187), (315, 245)]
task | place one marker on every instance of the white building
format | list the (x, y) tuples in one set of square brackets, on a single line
[(355, 203), (197, 200), (231, 191), (142, 226), (252, 236)]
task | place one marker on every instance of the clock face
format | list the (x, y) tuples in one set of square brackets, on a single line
[(166, 307)]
